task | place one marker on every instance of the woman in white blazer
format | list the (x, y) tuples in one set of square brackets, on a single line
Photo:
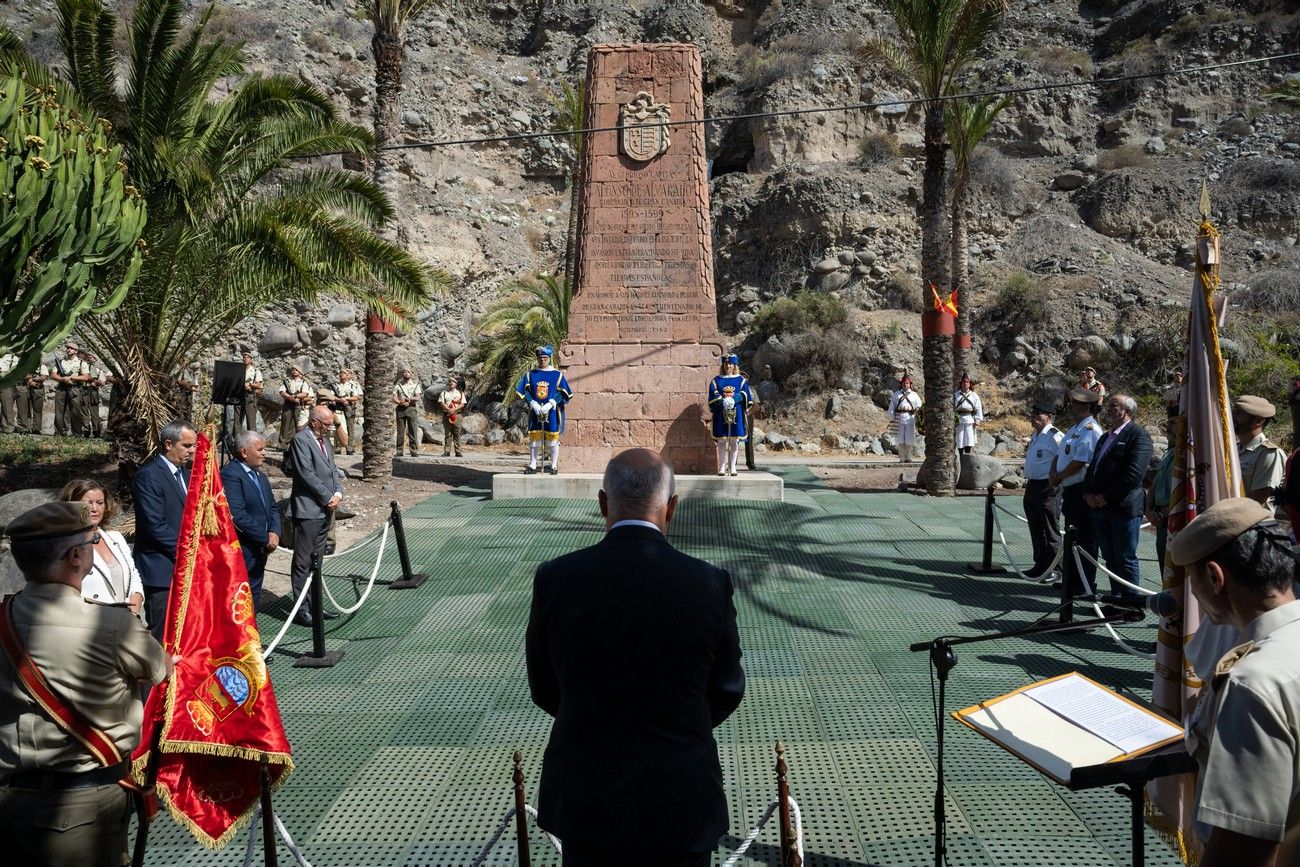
[(113, 579)]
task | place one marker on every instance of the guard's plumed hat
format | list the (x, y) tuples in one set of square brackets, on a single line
[(50, 521), (1254, 405), (731, 359), (1044, 407), (1079, 394), (1216, 527), (545, 350)]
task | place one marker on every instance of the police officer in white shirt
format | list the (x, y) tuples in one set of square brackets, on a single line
[(1068, 469), (1042, 498)]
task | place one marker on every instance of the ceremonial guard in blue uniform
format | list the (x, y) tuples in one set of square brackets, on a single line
[(729, 400), (547, 391)]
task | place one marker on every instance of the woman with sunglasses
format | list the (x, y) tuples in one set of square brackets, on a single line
[(113, 579)]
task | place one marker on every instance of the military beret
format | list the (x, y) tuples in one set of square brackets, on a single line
[(1254, 405), (1079, 394), (1045, 408), (1216, 527), (50, 521)]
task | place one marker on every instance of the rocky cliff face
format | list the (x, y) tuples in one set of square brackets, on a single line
[(1084, 197)]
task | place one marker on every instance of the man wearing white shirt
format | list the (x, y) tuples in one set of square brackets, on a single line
[(1042, 498), (1068, 470)]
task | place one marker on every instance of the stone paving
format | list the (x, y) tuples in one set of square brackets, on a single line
[(404, 749)]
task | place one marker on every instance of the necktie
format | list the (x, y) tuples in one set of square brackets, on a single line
[(180, 480), (321, 440)]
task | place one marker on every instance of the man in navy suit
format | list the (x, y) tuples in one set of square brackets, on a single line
[(252, 506), (1113, 489), (160, 488), (632, 646)]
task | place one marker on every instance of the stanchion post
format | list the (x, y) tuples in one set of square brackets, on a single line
[(1069, 575), (521, 813), (319, 657), (409, 579), (789, 841), (985, 566), (268, 818)]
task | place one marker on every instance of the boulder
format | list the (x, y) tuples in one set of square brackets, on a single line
[(319, 334), (835, 441), (1069, 180), (826, 266), (978, 472), (14, 504), (985, 443), (475, 423), (429, 433), (277, 339), (810, 448), (497, 413), (494, 436), (1017, 360), (1012, 481), (834, 281), (341, 315), (515, 436)]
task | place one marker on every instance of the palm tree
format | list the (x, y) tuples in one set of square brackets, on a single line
[(533, 312), (235, 226), (389, 18), (936, 40), (967, 123)]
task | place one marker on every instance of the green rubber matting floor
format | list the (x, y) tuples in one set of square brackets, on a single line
[(404, 748)]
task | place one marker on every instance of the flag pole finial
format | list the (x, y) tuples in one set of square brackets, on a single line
[(1205, 200)]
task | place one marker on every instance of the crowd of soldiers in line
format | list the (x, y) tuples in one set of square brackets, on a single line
[(76, 383)]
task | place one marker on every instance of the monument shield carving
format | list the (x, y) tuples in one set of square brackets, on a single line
[(644, 133)]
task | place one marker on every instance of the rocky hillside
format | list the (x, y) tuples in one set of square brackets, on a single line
[(1084, 203)]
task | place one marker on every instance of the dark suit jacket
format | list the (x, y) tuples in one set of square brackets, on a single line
[(254, 513), (159, 505), (1118, 475), (316, 477), (632, 646)]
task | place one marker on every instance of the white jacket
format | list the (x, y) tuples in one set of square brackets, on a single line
[(96, 587)]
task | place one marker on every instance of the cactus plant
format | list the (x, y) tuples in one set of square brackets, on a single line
[(70, 222)]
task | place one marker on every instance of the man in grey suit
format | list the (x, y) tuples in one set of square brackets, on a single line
[(317, 492)]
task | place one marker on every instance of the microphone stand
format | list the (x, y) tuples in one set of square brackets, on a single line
[(944, 660)]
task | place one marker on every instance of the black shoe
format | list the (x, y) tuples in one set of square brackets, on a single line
[(554, 471), (302, 618), (528, 471), (446, 454), (329, 615), (1128, 614), (459, 455), (1034, 573)]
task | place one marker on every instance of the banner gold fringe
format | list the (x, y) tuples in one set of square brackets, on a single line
[(1170, 834)]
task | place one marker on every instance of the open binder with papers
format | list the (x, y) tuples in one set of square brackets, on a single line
[(1068, 722)]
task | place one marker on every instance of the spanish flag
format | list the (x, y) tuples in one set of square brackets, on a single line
[(217, 714), (942, 306)]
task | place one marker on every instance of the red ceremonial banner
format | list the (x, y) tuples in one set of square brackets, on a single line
[(218, 713)]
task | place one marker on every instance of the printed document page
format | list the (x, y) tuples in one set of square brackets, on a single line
[(1099, 711), (1053, 745)]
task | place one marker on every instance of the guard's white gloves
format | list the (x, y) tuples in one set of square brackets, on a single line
[(537, 408), (728, 403), (548, 406)]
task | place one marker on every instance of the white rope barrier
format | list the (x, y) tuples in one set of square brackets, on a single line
[(1015, 567), (1124, 645), (501, 830), (795, 815), (288, 621), (1141, 590), (369, 586), (255, 824), (1020, 518)]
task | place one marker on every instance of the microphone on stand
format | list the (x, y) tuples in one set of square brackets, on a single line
[(1163, 604)]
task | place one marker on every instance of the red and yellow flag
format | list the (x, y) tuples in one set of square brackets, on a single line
[(217, 712), (942, 306)]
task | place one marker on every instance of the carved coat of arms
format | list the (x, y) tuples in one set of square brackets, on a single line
[(644, 134)]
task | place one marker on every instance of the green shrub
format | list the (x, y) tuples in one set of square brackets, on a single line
[(1271, 358), (820, 358), (804, 311), (1025, 298)]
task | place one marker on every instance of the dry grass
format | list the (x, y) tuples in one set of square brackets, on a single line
[(1127, 156)]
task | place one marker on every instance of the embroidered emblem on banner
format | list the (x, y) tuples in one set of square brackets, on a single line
[(644, 135)]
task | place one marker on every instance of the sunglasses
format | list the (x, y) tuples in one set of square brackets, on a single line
[(93, 540)]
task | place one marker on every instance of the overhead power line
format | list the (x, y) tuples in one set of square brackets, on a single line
[(825, 109)]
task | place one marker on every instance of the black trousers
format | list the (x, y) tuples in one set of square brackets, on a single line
[(1079, 516), (1043, 512), (576, 855), (155, 609), (309, 535)]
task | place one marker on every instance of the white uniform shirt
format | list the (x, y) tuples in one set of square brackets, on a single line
[(252, 374), (1078, 445), (8, 362), (1041, 451), (904, 402), (407, 391)]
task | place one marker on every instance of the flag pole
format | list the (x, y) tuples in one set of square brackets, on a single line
[(269, 855)]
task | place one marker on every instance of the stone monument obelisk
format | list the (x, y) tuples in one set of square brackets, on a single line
[(643, 327)]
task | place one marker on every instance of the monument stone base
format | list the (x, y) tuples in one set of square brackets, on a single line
[(584, 486)]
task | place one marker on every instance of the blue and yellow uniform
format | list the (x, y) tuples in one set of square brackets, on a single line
[(549, 389), (729, 400)]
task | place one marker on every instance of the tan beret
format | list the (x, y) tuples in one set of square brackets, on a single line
[(1254, 405), (1216, 527), (50, 521), (1080, 394)]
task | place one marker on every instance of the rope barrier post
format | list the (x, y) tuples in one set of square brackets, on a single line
[(789, 842), (319, 657), (986, 567), (1069, 575), (409, 580), (521, 814), (271, 858)]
